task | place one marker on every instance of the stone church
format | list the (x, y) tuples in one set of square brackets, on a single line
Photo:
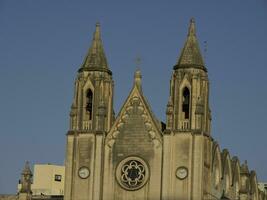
[(134, 156)]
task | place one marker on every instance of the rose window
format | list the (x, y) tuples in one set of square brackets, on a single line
[(132, 173)]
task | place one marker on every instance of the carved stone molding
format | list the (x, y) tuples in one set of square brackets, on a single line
[(135, 106)]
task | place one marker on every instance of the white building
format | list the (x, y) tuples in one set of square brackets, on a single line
[(48, 179)]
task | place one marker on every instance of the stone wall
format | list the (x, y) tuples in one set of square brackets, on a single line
[(8, 197)]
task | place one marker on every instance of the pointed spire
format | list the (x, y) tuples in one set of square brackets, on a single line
[(95, 59), (192, 28), (191, 56)]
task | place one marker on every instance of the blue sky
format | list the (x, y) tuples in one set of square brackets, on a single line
[(43, 43)]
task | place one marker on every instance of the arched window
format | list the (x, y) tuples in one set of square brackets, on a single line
[(186, 102), (89, 103)]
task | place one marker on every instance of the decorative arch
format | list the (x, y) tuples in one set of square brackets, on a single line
[(184, 102), (216, 166), (185, 82), (135, 103), (254, 186), (236, 181), (226, 171), (88, 99)]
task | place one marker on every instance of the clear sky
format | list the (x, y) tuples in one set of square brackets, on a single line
[(43, 43)]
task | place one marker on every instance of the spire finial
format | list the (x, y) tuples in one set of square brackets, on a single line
[(97, 31), (192, 28), (138, 78)]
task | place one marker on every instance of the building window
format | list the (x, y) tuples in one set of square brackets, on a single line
[(58, 178), (89, 103), (186, 102), (132, 173)]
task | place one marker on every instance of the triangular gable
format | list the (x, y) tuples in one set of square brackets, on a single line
[(136, 102)]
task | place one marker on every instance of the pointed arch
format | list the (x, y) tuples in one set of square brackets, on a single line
[(184, 103), (254, 186), (236, 181), (151, 123), (226, 171), (216, 166), (245, 185), (88, 100)]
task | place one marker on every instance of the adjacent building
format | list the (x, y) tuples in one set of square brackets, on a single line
[(48, 179), (135, 156)]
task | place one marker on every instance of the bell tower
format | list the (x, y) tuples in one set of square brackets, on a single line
[(189, 90), (186, 158), (93, 89), (91, 117)]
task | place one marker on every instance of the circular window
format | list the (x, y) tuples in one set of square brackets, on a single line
[(132, 173)]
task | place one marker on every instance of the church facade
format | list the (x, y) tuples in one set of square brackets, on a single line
[(134, 156)]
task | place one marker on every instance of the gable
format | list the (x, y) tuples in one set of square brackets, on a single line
[(135, 129)]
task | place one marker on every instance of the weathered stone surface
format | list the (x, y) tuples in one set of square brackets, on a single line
[(8, 197), (134, 156)]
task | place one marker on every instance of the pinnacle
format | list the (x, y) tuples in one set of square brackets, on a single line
[(244, 167), (27, 169), (138, 78)]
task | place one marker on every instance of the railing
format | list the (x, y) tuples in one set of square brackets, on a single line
[(87, 125), (184, 124)]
